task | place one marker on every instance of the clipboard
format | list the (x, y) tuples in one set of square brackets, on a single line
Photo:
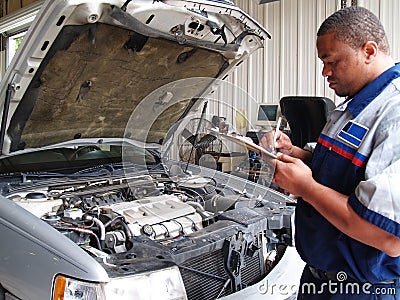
[(243, 141)]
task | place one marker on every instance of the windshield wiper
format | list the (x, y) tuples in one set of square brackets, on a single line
[(100, 170), (26, 177), (105, 170), (95, 171)]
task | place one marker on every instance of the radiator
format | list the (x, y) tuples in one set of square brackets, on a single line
[(205, 277)]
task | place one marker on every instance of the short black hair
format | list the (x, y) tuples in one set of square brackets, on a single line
[(354, 26)]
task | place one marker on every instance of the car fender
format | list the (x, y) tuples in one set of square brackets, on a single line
[(33, 253)]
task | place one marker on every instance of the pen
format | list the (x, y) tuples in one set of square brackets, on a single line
[(278, 124)]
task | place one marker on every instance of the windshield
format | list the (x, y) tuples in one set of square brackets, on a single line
[(92, 79), (68, 160)]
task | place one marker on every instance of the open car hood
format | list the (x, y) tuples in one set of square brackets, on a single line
[(84, 66)]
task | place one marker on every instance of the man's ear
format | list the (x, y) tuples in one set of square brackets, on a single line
[(370, 50)]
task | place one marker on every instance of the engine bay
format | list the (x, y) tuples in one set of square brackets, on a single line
[(182, 221)]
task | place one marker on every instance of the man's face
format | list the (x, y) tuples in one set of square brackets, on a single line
[(344, 67)]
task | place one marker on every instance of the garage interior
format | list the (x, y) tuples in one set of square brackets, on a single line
[(286, 70), (287, 66)]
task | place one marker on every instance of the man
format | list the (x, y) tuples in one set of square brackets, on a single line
[(347, 216)]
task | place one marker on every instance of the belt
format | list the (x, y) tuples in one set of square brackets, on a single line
[(323, 275), (341, 276)]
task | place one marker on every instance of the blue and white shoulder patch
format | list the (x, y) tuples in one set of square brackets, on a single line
[(353, 133)]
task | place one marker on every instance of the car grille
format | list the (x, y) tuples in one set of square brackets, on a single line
[(204, 277)]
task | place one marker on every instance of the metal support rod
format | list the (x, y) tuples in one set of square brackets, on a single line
[(4, 118)]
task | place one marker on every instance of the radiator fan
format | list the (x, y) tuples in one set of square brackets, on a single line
[(206, 151)]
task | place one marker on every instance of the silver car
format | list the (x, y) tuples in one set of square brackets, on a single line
[(100, 106)]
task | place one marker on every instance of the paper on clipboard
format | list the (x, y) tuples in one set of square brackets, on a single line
[(241, 140)]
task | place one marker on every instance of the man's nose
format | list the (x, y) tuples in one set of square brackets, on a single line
[(326, 71)]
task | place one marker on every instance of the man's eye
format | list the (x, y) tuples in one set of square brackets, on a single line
[(328, 63)]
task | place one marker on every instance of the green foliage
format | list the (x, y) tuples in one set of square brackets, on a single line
[(18, 42)]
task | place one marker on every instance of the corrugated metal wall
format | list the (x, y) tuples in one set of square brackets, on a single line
[(288, 65), (388, 12)]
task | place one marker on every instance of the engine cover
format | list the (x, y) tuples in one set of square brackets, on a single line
[(161, 216)]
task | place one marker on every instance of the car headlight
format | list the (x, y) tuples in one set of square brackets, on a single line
[(161, 284), (66, 288)]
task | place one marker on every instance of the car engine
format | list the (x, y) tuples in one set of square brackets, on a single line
[(222, 239)]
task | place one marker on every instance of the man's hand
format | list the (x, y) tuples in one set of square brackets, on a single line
[(282, 143), (292, 175)]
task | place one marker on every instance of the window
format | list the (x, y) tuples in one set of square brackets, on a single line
[(12, 45), (13, 28)]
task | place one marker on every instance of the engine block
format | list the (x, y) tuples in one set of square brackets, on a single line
[(161, 216)]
